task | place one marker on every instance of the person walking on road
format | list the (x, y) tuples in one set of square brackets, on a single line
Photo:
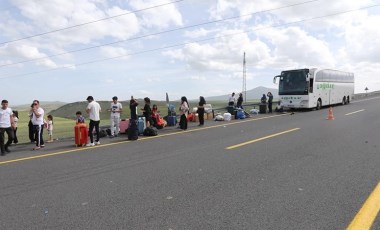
[(184, 111), (38, 124), (7, 125), (201, 110), (270, 101), (115, 109), (93, 109)]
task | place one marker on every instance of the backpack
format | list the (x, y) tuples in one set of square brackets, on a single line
[(150, 131)]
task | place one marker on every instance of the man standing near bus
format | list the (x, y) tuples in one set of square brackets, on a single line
[(6, 125)]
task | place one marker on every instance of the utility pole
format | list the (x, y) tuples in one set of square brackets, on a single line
[(244, 91)]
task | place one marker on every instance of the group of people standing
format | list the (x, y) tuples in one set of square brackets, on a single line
[(8, 125), (239, 103), (270, 101), (8, 121)]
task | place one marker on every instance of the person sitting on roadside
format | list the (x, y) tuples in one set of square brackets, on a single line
[(80, 118)]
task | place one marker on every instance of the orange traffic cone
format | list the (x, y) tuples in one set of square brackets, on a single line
[(330, 115)]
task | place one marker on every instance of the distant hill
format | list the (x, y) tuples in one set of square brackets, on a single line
[(252, 94), (69, 110), (46, 105)]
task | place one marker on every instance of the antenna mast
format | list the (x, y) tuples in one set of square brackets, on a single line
[(244, 91)]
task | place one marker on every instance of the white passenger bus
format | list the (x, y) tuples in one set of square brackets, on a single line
[(314, 88)]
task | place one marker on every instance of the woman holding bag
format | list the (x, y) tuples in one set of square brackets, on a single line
[(184, 110)]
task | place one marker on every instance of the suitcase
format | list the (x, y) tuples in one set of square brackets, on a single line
[(263, 108), (210, 116), (141, 125), (123, 126), (133, 133), (81, 134), (172, 120)]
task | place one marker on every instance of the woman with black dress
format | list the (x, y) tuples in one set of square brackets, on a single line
[(147, 112), (184, 110), (201, 110)]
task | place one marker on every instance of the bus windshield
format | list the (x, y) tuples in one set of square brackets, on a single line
[(293, 83)]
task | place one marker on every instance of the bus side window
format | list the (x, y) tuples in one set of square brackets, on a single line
[(311, 85)]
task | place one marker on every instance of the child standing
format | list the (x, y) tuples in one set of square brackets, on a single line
[(50, 128), (15, 120)]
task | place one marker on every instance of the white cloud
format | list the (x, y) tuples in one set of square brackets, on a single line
[(111, 51), (160, 17), (198, 33), (362, 40), (295, 48), (152, 79), (223, 54), (197, 78), (23, 52)]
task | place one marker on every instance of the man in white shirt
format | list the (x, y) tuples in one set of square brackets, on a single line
[(115, 109), (6, 125), (93, 109), (231, 100), (37, 114)]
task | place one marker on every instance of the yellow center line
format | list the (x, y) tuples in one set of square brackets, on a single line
[(355, 112), (367, 214), (142, 139), (261, 138)]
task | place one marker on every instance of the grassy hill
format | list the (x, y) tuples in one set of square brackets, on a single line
[(46, 105), (68, 110)]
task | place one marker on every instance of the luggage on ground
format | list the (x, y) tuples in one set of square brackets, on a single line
[(81, 134), (150, 131), (133, 133), (240, 114), (219, 117), (172, 120), (263, 108), (141, 125), (123, 126), (227, 116)]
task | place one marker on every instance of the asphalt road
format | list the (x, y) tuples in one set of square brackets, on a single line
[(300, 171)]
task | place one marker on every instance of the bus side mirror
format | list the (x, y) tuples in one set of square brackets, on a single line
[(308, 77), (274, 79)]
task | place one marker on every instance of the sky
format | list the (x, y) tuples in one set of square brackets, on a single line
[(55, 50)]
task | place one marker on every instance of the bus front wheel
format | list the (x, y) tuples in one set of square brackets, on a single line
[(319, 104)]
